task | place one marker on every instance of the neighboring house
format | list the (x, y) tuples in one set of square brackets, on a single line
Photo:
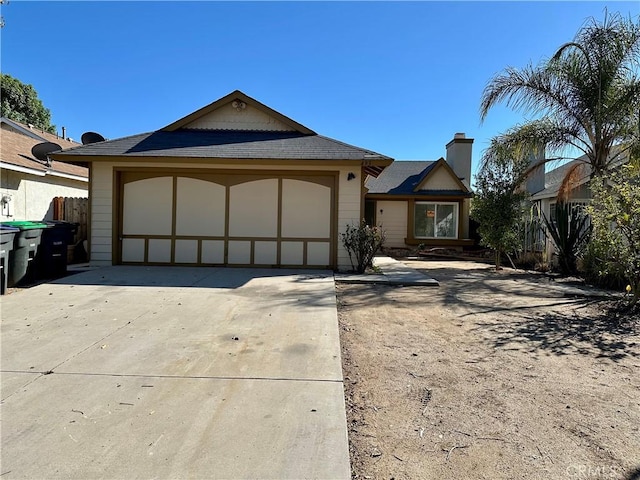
[(234, 183), (545, 194), (27, 185), (424, 202), (544, 188)]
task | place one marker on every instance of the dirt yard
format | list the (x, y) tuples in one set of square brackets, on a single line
[(492, 375)]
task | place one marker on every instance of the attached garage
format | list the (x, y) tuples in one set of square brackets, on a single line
[(235, 183)]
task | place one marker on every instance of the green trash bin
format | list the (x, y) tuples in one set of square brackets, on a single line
[(7, 236), (25, 246)]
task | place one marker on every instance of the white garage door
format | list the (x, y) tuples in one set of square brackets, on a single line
[(227, 219)]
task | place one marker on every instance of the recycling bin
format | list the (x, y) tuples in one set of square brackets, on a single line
[(25, 246), (52, 254), (7, 236)]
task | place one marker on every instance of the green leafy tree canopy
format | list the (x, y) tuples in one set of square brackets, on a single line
[(20, 102), (498, 204)]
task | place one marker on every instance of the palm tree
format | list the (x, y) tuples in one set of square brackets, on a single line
[(586, 98)]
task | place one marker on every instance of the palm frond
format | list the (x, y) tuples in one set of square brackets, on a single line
[(572, 177), (587, 95)]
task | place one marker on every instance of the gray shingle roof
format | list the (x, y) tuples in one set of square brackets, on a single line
[(553, 178), (236, 144), (401, 177)]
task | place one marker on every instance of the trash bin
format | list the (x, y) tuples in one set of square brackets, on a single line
[(25, 246), (7, 236), (52, 254)]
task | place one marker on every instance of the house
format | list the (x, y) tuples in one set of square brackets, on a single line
[(233, 183), (424, 202), (544, 188), (28, 185)]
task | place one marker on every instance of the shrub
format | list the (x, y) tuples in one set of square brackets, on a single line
[(569, 233), (615, 212), (362, 243), (598, 271)]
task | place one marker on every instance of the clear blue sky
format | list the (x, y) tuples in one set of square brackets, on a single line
[(399, 78)]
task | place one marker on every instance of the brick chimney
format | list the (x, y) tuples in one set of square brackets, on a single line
[(459, 157)]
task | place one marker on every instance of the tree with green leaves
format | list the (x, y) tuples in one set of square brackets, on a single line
[(20, 102), (498, 204), (586, 97), (615, 215)]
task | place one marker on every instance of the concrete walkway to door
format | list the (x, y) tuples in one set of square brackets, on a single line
[(172, 372)]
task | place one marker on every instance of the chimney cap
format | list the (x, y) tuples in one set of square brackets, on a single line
[(460, 135)]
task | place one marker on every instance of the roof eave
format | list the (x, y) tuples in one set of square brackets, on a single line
[(21, 169)]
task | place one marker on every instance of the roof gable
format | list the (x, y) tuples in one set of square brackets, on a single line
[(238, 111), (440, 177)]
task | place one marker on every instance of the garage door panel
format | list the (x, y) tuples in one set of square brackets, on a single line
[(159, 250), (212, 252), (253, 209), (133, 250), (265, 253), (186, 251), (318, 253), (148, 206), (306, 209), (239, 252), (292, 253), (200, 207)]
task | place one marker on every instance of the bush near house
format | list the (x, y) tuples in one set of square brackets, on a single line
[(362, 243), (615, 215)]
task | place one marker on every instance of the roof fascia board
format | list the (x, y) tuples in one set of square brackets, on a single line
[(441, 163), (17, 168), (68, 176), (61, 157), (246, 99)]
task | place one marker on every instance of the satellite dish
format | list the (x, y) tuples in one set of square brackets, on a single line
[(91, 137), (41, 150)]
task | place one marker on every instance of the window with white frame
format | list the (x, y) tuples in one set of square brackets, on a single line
[(435, 220)]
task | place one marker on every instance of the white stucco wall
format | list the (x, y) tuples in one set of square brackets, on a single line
[(349, 197), (32, 195), (392, 217)]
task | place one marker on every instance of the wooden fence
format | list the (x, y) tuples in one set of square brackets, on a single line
[(74, 210)]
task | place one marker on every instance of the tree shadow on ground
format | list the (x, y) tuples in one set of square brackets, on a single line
[(598, 328)]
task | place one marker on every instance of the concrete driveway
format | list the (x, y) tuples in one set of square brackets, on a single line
[(154, 372)]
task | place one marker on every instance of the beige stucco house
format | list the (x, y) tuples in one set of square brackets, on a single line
[(234, 183), (424, 202), (28, 185)]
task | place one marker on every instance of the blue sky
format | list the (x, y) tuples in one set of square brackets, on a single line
[(399, 78)]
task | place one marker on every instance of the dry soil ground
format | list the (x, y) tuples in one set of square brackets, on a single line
[(492, 375)]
